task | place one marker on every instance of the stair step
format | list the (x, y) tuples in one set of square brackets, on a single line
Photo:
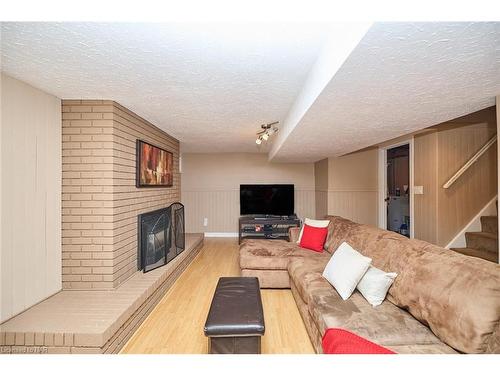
[(489, 224), (482, 241), (487, 255)]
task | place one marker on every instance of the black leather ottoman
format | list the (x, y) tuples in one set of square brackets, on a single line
[(235, 322)]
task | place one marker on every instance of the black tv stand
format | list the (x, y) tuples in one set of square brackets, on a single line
[(266, 226)]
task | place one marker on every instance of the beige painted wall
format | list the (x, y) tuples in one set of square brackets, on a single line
[(210, 187), (353, 186), (30, 196)]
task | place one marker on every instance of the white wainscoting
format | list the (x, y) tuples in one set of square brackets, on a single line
[(222, 209)]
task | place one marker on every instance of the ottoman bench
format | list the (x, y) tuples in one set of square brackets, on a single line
[(235, 321)]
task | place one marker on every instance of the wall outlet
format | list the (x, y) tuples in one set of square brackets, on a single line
[(418, 190), (205, 221)]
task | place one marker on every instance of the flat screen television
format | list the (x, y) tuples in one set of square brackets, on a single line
[(267, 199)]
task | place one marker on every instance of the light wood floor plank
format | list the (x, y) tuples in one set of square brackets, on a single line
[(175, 326)]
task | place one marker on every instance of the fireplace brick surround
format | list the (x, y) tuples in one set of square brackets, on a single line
[(100, 201)]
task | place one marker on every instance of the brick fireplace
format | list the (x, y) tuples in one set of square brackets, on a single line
[(100, 200)]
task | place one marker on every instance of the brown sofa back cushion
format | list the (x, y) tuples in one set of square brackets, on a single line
[(457, 296), (338, 232)]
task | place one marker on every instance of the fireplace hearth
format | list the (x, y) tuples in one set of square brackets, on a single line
[(161, 236)]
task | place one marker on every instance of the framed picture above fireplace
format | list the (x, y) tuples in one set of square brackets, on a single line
[(154, 166)]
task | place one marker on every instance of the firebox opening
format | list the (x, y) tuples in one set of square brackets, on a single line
[(161, 236)]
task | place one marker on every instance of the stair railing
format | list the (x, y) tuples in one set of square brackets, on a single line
[(470, 162)]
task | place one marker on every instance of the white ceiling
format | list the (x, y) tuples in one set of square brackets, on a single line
[(401, 77), (211, 86)]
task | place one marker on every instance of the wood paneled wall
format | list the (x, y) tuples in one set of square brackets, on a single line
[(458, 204), (210, 187), (30, 196), (425, 174)]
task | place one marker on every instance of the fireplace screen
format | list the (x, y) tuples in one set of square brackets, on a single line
[(161, 236)]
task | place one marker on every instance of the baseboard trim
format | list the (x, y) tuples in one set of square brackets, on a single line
[(221, 234)]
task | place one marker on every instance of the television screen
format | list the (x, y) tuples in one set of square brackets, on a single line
[(267, 200)]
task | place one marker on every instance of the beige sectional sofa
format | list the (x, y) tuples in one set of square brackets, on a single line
[(441, 301)]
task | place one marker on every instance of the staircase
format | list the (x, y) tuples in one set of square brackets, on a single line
[(482, 244)]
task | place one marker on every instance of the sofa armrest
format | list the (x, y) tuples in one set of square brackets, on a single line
[(293, 234)]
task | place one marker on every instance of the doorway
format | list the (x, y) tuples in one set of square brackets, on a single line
[(395, 180)]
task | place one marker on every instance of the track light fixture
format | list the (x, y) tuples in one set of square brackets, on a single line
[(266, 132)]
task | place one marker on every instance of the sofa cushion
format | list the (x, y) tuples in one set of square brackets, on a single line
[(439, 348), (457, 296), (385, 324), (272, 254), (312, 223), (345, 269), (313, 238), (306, 276), (276, 279), (375, 284), (338, 232)]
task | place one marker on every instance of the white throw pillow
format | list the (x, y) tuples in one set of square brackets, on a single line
[(313, 223), (375, 284), (345, 268)]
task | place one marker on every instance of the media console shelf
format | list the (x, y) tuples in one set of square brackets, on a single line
[(266, 227)]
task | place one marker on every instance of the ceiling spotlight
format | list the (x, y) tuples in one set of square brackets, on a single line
[(266, 132)]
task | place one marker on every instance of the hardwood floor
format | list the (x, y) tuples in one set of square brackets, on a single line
[(175, 326)]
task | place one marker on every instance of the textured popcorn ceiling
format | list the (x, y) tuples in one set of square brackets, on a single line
[(212, 86), (400, 78)]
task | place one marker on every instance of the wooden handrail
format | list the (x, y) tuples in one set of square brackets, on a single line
[(471, 161)]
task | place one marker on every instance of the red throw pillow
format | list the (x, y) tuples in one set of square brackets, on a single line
[(340, 341), (313, 238)]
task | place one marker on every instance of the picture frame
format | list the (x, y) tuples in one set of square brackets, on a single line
[(154, 166)]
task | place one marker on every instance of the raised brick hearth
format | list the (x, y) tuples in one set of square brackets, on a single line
[(93, 321)]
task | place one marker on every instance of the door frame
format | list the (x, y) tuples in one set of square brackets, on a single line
[(382, 183)]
